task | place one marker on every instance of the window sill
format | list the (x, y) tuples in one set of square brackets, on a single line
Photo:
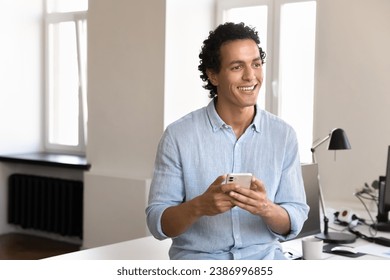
[(49, 159)]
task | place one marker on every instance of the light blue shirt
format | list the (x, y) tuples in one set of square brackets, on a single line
[(198, 148)]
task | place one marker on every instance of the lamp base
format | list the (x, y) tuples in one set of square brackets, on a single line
[(337, 237)]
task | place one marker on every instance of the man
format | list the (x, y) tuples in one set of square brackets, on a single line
[(189, 200)]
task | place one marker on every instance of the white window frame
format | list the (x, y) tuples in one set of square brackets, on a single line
[(80, 20)]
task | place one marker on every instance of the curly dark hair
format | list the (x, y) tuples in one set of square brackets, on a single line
[(210, 56)]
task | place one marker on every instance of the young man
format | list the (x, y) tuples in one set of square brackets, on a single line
[(189, 200)]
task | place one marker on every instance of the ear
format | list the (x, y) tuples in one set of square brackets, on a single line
[(212, 77)]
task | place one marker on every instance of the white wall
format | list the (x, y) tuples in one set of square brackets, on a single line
[(117, 208), (187, 25), (125, 85), (21, 84), (353, 92), (20, 72), (125, 100)]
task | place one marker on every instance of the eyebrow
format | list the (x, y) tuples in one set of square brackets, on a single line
[(241, 61)]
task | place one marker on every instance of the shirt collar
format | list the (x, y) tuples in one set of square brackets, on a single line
[(217, 123)]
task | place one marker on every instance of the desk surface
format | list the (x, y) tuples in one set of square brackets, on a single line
[(146, 248), (149, 248)]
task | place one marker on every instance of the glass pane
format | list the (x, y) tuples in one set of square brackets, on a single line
[(296, 76), (255, 16), (61, 6), (63, 85)]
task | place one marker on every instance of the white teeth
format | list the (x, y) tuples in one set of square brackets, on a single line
[(246, 88)]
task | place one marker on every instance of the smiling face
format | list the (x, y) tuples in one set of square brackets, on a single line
[(241, 75)]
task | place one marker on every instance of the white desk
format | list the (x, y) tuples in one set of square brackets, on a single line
[(148, 248), (369, 249)]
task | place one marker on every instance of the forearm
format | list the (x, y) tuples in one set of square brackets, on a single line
[(177, 219), (277, 219)]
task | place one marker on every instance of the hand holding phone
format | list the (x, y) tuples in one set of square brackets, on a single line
[(242, 179)]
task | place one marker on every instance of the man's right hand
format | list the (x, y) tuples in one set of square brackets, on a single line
[(177, 219), (214, 200)]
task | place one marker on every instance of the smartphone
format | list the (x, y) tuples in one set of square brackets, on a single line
[(242, 179)]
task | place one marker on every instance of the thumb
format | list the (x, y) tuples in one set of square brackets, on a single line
[(220, 180), (258, 185)]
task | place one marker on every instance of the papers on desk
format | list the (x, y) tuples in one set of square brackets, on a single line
[(375, 249)]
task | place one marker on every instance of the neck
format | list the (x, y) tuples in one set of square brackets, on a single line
[(238, 118)]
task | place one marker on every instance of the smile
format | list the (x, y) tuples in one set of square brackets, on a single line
[(249, 88)]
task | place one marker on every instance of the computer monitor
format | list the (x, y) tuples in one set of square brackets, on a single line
[(383, 223), (312, 225)]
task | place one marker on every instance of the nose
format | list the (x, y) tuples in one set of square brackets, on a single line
[(249, 74)]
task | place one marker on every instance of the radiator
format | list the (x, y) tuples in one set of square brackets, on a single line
[(48, 204)]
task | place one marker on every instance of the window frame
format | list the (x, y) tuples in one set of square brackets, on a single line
[(79, 18)]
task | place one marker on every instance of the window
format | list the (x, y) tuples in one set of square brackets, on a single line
[(287, 34), (66, 68)]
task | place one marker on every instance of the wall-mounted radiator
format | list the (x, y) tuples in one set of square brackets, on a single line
[(47, 204)]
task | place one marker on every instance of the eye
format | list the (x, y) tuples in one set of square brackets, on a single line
[(237, 67), (257, 65)]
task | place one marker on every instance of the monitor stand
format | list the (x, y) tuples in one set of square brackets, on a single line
[(381, 226), (382, 221)]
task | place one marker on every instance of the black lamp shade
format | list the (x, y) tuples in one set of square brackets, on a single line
[(338, 140)]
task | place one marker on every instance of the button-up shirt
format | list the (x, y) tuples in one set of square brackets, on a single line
[(198, 148)]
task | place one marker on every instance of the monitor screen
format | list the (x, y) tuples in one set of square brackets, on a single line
[(312, 188), (383, 222), (386, 191)]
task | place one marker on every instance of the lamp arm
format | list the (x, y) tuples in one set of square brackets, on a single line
[(313, 149), (317, 144), (326, 220)]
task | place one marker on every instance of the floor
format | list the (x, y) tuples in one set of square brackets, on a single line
[(17, 246)]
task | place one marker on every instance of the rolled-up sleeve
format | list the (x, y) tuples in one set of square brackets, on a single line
[(291, 192), (166, 187)]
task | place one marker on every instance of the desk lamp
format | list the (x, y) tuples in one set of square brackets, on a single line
[(337, 141)]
